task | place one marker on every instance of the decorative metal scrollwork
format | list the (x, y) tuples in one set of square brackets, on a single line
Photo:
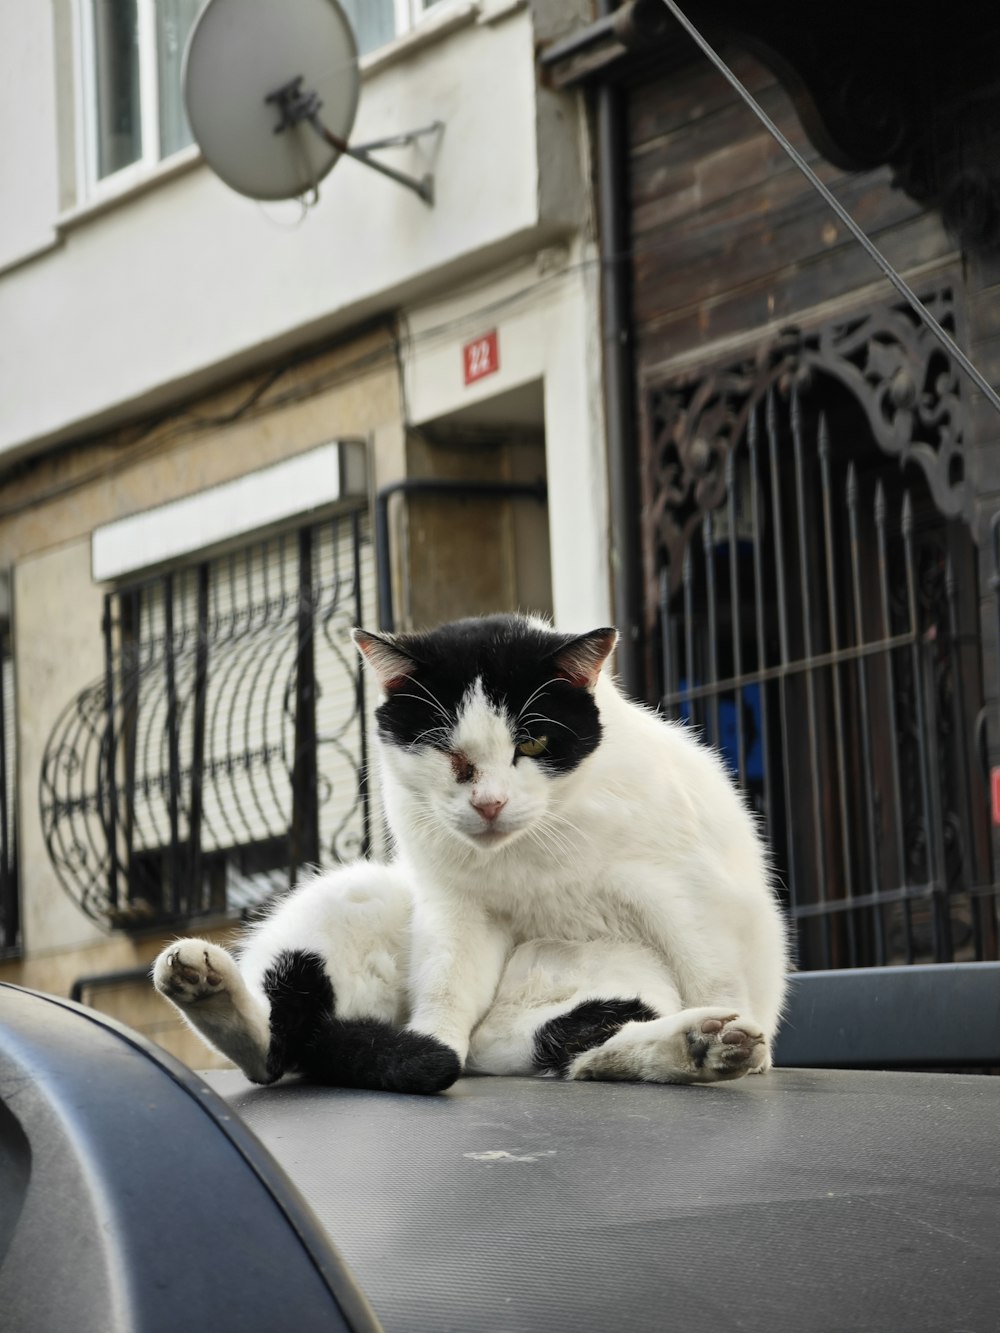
[(885, 357), (225, 746)]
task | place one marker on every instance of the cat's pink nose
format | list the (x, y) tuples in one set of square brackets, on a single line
[(488, 808)]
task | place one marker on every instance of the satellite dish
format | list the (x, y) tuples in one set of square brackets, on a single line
[(271, 90), (242, 57)]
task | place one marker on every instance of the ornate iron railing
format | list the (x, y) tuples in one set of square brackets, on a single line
[(817, 614), (225, 747)]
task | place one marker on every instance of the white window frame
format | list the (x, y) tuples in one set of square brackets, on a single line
[(149, 159)]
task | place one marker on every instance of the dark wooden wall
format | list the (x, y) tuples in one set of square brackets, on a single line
[(728, 237)]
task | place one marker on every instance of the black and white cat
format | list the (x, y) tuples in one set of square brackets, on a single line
[(577, 889)]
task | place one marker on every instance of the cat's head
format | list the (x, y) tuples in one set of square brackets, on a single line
[(483, 719)]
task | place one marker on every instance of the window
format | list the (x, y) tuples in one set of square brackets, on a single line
[(132, 52), (225, 749), (133, 108), (376, 22)]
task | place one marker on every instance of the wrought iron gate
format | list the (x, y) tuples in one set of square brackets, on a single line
[(813, 595), (225, 747)]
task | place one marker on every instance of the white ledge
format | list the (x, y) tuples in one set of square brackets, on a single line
[(312, 480)]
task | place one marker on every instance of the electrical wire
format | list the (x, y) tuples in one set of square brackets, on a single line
[(873, 252)]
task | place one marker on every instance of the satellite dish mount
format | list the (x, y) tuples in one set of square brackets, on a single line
[(257, 75), (296, 105)]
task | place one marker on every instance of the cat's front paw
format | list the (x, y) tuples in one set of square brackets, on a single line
[(192, 971)]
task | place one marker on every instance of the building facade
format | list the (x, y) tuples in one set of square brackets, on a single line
[(229, 431), (812, 577)]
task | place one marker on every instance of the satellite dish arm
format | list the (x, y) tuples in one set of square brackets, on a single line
[(296, 106)]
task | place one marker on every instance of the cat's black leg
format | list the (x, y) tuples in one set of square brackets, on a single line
[(559, 1041), (301, 997), (307, 1036), (370, 1053)]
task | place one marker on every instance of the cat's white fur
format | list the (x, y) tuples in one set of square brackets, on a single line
[(638, 874)]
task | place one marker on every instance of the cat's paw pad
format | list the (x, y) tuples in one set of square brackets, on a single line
[(725, 1046), (191, 971)]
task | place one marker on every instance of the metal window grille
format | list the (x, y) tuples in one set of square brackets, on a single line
[(225, 750), (9, 904), (818, 610)]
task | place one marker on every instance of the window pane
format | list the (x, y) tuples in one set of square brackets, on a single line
[(373, 21), (116, 56), (174, 19)]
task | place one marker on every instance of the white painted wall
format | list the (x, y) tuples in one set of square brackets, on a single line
[(29, 177), (184, 282)]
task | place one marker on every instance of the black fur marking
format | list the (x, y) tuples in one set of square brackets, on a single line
[(514, 659), (308, 1038), (301, 996), (559, 1041), (368, 1053)]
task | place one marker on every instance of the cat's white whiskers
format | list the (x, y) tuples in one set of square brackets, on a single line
[(442, 732), (433, 698), (531, 698), (549, 722)]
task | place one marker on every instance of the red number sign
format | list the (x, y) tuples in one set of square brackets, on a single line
[(481, 357)]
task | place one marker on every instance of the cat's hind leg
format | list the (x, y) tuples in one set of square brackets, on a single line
[(706, 1045), (558, 999), (319, 988), (204, 982)]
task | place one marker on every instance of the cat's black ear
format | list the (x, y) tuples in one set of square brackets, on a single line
[(580, 660), (390, 664)]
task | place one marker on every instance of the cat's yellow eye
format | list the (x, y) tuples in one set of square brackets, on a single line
[(533, 748)]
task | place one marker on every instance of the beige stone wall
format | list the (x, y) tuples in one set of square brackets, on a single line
[(47, 514)]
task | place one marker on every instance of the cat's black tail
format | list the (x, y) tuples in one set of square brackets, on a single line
[(307, 1037)]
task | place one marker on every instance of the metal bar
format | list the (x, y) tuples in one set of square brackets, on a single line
[(177, 898), (918, 307), (771, 423), (364, 791), (874, 867), (708, 541), (402, 140), (995, 585), (304, 830), (198, 738), (909, 893), (687, 580), (962, 745), (812, 720), (756, 518), (423, 188), (890, 685), (666, 635), (111, 757), (833, 602), (924, 738), (734, 611), (800, 665), (8, 881)]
